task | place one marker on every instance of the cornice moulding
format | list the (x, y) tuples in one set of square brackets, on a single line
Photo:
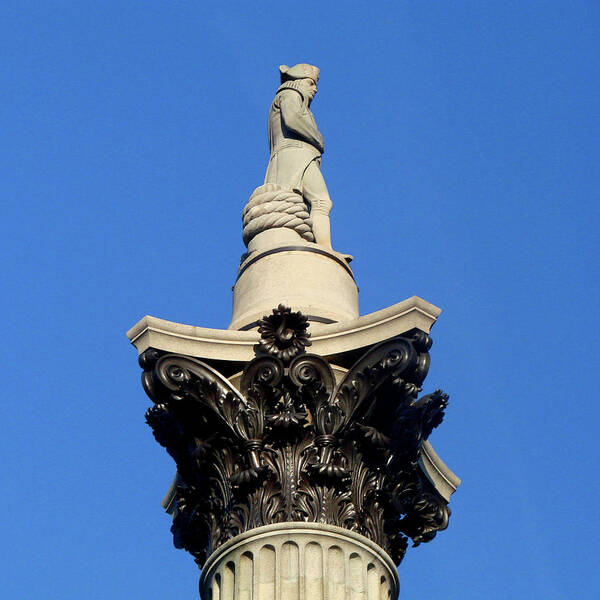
[(327, 339), (439, 474)]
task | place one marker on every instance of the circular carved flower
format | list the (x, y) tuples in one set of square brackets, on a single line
[(283, 334), (287, 419)]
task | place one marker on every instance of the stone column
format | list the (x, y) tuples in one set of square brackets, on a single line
[(299, 561)]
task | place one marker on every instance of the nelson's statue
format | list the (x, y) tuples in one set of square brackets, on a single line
[(294, 195)]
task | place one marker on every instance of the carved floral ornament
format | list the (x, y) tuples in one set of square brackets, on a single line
[(292, 445)]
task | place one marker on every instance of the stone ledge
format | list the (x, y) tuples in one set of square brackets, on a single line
[(439, 474), (327, 339)]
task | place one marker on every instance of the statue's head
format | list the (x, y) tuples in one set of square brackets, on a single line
[(304, 74), (299, 71)]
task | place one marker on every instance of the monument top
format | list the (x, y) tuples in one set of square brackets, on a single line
[(286, 225), (300, 435)]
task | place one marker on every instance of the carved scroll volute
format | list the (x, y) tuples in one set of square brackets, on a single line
[(260, 386), (203, 405), (422, 344), (265, 372), (152, 386), (187, 378), (390, 363), (315, 381), (312, 370), (428, 515)]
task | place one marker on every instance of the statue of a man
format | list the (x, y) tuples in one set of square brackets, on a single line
[(297, 145)]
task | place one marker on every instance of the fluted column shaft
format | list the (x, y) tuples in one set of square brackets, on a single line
[(299, 561)]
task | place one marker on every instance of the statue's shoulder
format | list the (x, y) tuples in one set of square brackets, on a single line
[(289, 88)]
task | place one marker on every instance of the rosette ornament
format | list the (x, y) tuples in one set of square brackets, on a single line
[(284, 333)]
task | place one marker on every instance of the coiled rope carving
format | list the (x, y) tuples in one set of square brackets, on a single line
[(272, 206)]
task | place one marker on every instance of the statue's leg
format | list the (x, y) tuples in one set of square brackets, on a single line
[(315, 193)]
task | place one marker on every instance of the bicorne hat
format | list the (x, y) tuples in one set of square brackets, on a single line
[(299, 71)]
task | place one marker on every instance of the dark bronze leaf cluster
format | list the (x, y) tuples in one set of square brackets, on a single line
[(293, 445)]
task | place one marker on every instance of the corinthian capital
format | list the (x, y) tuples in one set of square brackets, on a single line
[(291, 443)]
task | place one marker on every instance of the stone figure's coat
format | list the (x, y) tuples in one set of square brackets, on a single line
[(294, 137)]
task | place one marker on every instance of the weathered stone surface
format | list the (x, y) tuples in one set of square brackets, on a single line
[(308, 277), (294, 167), (272, 208), (437, 472), (299, 561)]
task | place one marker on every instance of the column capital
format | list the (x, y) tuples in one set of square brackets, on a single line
[(290, 443)]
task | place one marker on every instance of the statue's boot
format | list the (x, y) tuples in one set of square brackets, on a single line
[(322, 233), (321, 228), (316, 195)]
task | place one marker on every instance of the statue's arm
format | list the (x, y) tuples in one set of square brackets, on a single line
[(298, 120)]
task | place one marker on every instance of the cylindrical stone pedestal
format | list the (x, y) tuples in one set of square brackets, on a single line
[(314, 280), (299, 561)]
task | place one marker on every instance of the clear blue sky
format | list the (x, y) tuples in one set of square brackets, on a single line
[(463, 160)]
